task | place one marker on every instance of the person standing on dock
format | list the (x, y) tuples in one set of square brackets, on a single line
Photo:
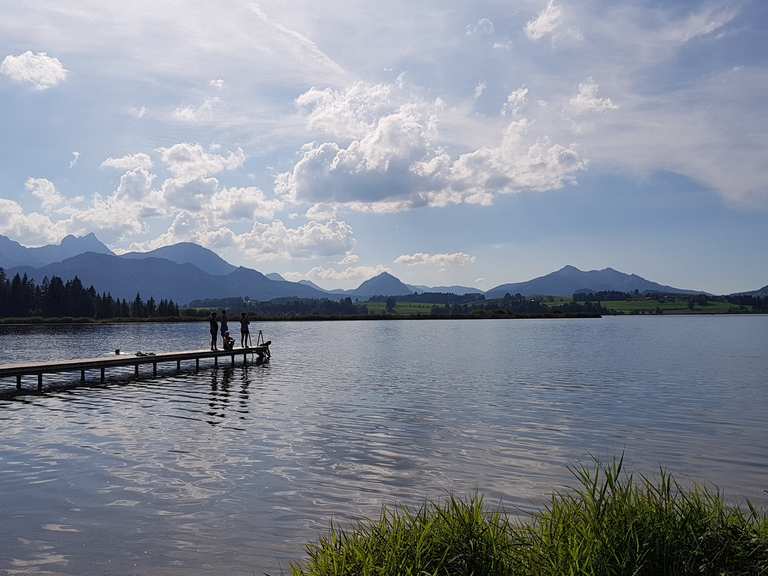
[(214, 330), (245, 331), (224, 327)]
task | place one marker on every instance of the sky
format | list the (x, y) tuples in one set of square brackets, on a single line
[(446, 142)]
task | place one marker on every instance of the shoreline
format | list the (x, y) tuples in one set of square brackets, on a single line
[(356, 318)]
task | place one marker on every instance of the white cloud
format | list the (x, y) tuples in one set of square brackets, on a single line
[(191, 195), (203, 112), (248, 203), (546, 23), (75, 158), (587, 99), (37, 69), (348, 113), (516, 100), (32, 228), (348, 275), (322, 211), (397, 165), (483, 27), (217, 83), (135, 184), (189, 161), (445, 260), (313, 239), (479, 90), (115, 216), (45, 191), (129, 162), (349, 259), (702, 22)]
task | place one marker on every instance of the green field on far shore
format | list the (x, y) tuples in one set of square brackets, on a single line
[(676, 306), (401, 308)]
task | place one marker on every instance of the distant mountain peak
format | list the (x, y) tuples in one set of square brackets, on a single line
[(570, 280), (14, 254), (188, 253), (384, 284)]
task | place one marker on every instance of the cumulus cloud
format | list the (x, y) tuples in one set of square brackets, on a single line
[(203, 112), (36, 69), (262, 242), (349, 259), (129, 162), (231, 204), (135, 184), (189, 195), (189, 161), (587, 99), (313, 239), (34, 228), (445, 260), (397, 165), (344, 275), (45, 191), (75, 158), (217, 83), (483, 27), (515, 102), (348, 113)]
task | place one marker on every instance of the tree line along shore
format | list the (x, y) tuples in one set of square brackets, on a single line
[(23, 301)]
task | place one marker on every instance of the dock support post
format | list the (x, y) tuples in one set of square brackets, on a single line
[(136, 370), (18, 382), (215, 361), (40, 382), (154, 369), (178, 365), (82, 375), (233, 360), (102, 375), (197, 364)]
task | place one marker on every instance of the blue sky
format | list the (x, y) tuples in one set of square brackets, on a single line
[(447, 142)]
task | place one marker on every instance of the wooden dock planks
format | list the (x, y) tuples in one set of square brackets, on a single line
[(123, 360)]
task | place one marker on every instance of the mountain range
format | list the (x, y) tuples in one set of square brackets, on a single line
[(189, 253), (14, 254), (569, 280), (186, 271)]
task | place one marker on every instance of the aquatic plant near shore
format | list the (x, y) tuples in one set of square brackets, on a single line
[(612, 524)]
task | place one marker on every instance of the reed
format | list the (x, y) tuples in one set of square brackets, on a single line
[(611, 524)]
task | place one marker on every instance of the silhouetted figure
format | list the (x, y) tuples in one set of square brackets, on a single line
[(245, 331), (214, 330), (229, 342), (224, 327)]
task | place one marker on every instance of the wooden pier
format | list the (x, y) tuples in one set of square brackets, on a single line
[(127, 360)]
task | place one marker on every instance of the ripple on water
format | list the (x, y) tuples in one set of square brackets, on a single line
[(233, 470)]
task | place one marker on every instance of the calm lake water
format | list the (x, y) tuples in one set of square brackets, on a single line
[(231, 471)]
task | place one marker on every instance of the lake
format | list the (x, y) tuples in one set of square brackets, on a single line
[(231, 471)]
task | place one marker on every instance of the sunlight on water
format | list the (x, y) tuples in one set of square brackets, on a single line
[(233, 470)]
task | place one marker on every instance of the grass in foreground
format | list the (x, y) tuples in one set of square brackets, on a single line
[(613, 524)]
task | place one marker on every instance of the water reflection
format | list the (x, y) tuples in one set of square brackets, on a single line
[(232, 470)]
